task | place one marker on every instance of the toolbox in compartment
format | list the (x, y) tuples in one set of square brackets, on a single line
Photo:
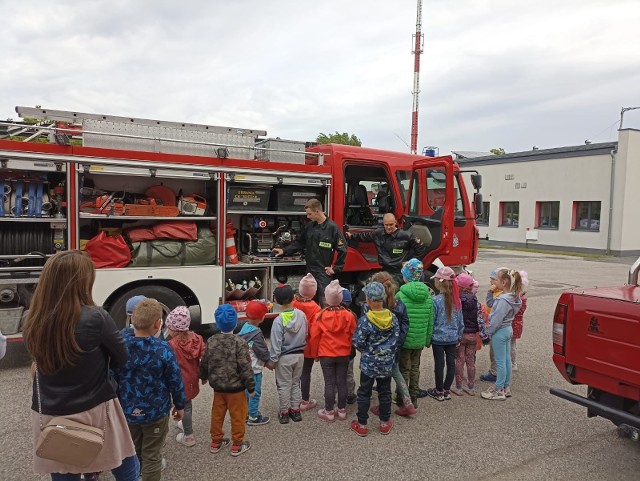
[(251, 198), (293, 198)]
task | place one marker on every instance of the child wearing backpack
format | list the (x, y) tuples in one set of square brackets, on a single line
[(473, 319)]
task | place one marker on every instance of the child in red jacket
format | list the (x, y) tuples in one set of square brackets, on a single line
[(304, 302), (518, 321), (189, 348), (330, 340)]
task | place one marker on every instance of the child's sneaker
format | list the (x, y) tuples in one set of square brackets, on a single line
[(437, 395), (385, 428), (406, 410), (470, 390), (259, 420), (238, 449), (514, 367), (342, 414), (351, 398), (447, 395), (328, 416), (295, 415), (179, 425), (360, 429), (216, 446), (186, 440), (493, 394), (488, 377), (308, 405), (422, 393), (457, 391), (507, 391), (375, 410), (283, 417)]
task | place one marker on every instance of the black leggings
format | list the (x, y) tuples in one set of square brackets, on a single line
[(334, 370), (440, 352), (305, 379)]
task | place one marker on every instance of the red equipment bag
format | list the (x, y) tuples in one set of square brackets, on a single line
[(108, 251), (186, 231), (140, 234)]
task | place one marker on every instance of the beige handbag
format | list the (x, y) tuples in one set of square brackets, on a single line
[(67, 441)]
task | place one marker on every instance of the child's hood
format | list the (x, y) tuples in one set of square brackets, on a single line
[(293, 320), (335, 319), (416, 291), (381, 319), (192, 346), (512, 299)]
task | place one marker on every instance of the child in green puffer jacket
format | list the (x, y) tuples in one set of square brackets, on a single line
[(416, 297)]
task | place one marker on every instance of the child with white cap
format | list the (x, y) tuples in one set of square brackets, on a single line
[(304, 302), (189, 348), (330, 341)]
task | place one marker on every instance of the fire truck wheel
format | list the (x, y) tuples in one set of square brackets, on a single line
[(168, 299)]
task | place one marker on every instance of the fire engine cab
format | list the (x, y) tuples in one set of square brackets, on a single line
[(188, 214)]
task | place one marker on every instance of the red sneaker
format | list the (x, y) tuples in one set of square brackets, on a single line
[(375, 410), (359, 429), (406, 410), (385, 428)]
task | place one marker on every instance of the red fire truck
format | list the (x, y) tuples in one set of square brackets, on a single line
[(188, 214)]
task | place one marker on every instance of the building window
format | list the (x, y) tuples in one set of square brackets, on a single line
[(483, 219), (509, 214), (586, 215), (547, 215)]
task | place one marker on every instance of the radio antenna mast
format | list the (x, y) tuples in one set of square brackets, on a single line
[(418, 41)]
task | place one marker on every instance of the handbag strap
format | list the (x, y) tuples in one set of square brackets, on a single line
[(106, 404)]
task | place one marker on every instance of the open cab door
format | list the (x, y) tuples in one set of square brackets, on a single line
[(429, 212)]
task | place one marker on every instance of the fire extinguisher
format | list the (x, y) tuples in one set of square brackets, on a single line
[(230, 244)]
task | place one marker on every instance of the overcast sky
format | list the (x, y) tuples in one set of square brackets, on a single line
[(495, 73)]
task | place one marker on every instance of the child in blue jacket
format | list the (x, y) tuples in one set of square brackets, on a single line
[(448, 326)]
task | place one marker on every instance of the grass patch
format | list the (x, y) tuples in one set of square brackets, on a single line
[(546, 251)]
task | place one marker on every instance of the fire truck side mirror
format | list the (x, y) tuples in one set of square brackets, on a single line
[(476, 181), (477, 202)]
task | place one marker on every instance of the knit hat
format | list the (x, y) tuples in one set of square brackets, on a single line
[(444, 273), (333, 293), (256, 310), (465, 281), (412, 270), (179, 319), (226, 318), (308, 286), (132, 303), (374, 291), (346, 296)]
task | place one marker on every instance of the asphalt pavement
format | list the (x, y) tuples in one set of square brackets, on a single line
[(532, 436)]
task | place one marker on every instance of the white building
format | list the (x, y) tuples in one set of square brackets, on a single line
[(584, 198)]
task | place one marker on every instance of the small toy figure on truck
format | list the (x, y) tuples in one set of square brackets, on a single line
[(596, 341)]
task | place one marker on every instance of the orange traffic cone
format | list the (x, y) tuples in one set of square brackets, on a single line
[(230, 245)]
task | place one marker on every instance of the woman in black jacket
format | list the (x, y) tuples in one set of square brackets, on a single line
[(73, 343)]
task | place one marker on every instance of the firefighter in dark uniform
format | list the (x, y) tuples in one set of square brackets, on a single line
[(394, 246), (319, 240)]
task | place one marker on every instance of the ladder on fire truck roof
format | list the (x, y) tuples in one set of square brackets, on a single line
[(128, 133)]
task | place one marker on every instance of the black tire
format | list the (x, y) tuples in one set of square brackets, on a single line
[(167, 298)]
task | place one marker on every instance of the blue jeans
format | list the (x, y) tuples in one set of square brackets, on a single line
[(501, 343), (254, 402), (129, 470)]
